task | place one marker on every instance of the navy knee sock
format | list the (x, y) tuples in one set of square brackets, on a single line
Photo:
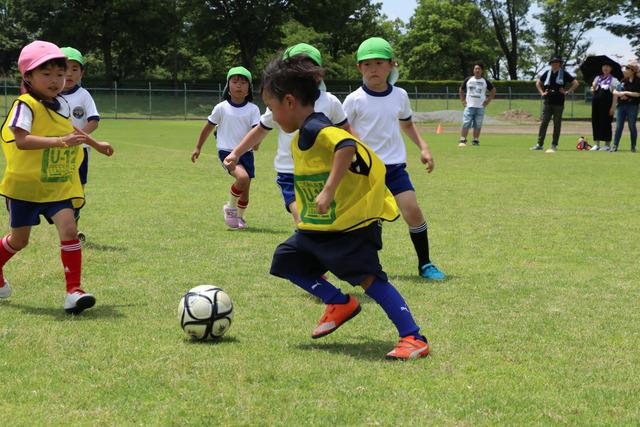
[(393, 304), (319, 287)]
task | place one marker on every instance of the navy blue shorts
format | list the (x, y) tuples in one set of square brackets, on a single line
[(84, 167), (24, 214), (285, 182), (351, 256), (246, 160), (397, 179)]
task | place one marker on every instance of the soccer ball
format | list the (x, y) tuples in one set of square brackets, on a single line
[(205, 312)]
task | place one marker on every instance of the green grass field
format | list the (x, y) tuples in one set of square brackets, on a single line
[(537, 323)]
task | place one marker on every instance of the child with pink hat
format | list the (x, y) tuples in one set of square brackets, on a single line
[(43, 153)]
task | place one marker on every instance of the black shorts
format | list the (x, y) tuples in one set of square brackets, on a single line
[(351, 256)]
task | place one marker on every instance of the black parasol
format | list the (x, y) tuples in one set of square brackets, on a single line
[(592, 67)]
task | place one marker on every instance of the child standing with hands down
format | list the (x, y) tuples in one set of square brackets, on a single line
[(43, 155), (341, 197), (376, 111), (234, 117), (84, 114)]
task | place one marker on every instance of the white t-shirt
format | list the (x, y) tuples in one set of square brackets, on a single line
[(234, 121), (326, 103), (476, 90), (22, 116), (375, 118), (83, 108)]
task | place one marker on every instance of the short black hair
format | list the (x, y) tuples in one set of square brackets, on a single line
[(60, 62), (296, 76), (479, 65)]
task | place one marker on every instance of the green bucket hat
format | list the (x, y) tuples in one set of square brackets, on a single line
[(238, 71), (304, 49), (378, 48), (73, 54), (374, 48)]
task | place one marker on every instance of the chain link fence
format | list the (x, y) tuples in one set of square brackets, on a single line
[(185, 103)]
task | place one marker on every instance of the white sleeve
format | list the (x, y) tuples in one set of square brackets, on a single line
[(22, 117), (336, 112), (255, 116), (348, 106), (267, 120), (406, 112), (90, 108), (215, 116), (614, 84)]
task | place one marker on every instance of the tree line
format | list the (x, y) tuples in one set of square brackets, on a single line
[(184, 40)]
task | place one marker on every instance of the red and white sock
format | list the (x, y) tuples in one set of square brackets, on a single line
[(234, 196), (71, 255), (242, 206), (6, 252)]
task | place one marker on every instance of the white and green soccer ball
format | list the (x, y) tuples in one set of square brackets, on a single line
[(205, 312)]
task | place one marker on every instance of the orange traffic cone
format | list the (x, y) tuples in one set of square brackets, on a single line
[(439, 129)]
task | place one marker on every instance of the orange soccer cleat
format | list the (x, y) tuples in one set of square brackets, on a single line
[(335, 315), (409, 348)]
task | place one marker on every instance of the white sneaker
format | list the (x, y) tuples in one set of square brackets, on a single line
[(78, 301), (230, 216), (595, 148), (5, 290), (605, 148)]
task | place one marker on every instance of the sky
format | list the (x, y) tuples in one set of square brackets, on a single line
[(603, 42)]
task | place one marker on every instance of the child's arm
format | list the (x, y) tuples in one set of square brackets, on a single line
[(250, 140), (204, 134), (26, 141), (90, 126), (100, 146), (411, 131), (341, 161)]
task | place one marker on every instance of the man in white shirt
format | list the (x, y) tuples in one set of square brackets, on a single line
[(473, 95)]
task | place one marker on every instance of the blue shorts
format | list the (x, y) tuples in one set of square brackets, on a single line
[(285, 182), (351, 256), (472, 117), (397, 179), (84, 167), (24, 214), (246, 160)]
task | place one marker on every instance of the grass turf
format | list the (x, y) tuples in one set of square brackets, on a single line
[(536, 324)]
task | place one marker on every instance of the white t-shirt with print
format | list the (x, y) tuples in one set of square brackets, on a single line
[(375, 117), (22, 116), (326, 103), (234, 121), (476, 90), (83, 108)]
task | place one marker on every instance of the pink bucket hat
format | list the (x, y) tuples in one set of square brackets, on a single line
[(37, 53)]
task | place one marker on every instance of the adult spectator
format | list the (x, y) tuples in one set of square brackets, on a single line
[(628, 94), (603, 105), (473, 95), (551, 86)]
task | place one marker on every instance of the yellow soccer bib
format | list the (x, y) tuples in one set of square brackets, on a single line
[(361, 197), (44, 175)]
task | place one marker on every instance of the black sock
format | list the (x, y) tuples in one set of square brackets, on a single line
[(420, 243)]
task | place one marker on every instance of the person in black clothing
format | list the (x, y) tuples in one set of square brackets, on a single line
[(628, 94), (603, 105), (551, 86)]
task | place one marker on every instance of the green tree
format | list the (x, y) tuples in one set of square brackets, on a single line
[(444, 39), (509, 18), (630, 10), (14, 34)]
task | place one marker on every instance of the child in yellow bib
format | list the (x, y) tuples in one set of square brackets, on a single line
[(43, 154), (342, 198)]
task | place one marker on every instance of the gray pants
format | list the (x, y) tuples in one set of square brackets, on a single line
[(549, 110)]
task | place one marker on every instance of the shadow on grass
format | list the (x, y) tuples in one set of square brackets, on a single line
[(414, 278), (101, 247), (97, 312), (264, 230), (365, 350), (221, 341)]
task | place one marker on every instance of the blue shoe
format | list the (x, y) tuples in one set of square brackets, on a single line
[(430, 271)]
